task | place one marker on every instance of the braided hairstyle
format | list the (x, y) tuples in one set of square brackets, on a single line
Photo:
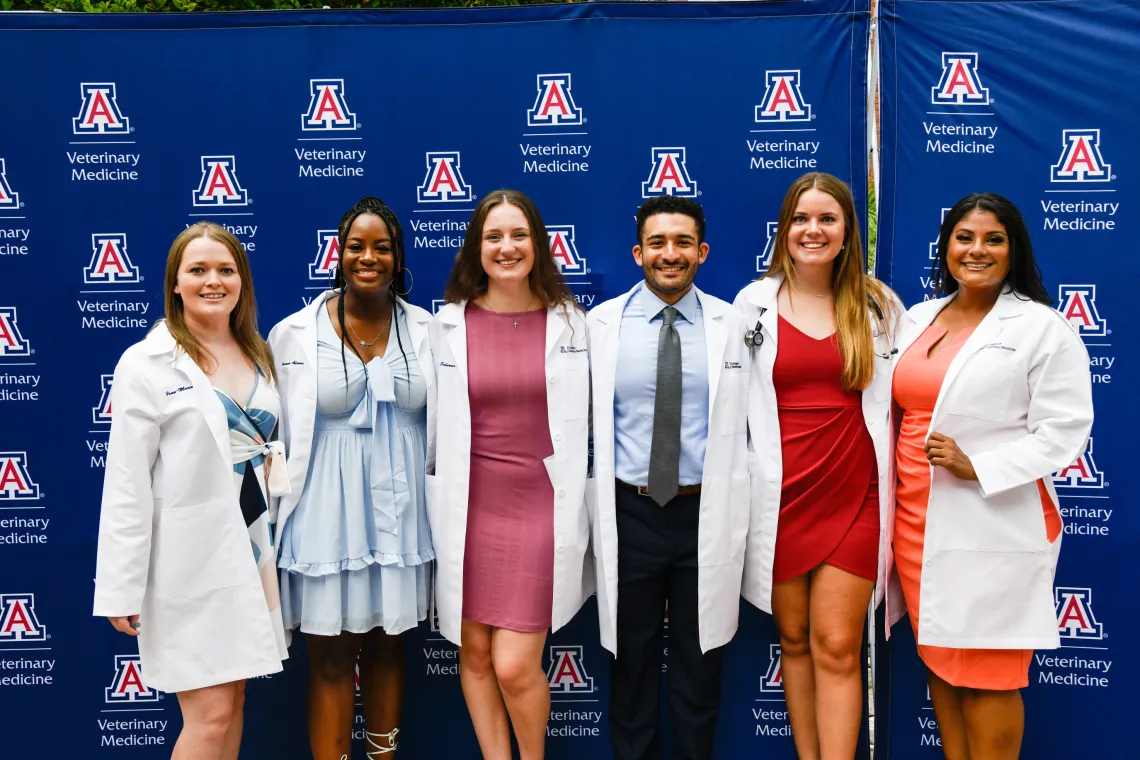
[(372, 205)]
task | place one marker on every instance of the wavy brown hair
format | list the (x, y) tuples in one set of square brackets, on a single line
[(854, 290), (468, 281), (243, 319)]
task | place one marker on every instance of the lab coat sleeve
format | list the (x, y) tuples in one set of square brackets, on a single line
[(1059, 420), (590, 403), (125, 520), (274, 501), (432, 399)]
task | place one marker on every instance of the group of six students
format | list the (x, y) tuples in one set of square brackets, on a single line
[(789, 447)]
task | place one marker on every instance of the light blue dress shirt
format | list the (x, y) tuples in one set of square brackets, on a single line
[(636, 383)]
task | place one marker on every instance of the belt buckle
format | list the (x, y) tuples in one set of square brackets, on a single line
[(642, 490)]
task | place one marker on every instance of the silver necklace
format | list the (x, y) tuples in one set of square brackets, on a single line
[(364, 343), (514, 322)]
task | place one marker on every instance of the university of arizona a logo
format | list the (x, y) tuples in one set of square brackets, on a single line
[(18, 622), (101, 412), (554, 105), (444, 181), (1082, 473), (127, 686), (327, 109), (8, 199), (99, 113), (1075, 618), (15, 482), (11, 342), (219, 186), (110, 263), (563, 250), (934, 245), (566, 673), (959, 84), (773, 678), (783, 100), (1077, 304), (328, 255), (764, 260), (668, 175), (1080, 159)]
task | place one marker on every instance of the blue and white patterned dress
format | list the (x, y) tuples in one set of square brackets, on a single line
[(250, 430), (354, 553)]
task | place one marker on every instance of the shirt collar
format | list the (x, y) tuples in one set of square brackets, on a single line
[(652, 306)]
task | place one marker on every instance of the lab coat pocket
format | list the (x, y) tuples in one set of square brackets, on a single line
[(993, 599), (197, 549)]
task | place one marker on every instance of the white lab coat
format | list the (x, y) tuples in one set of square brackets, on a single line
[(723, 522), (449, 460), (293, 341), (173, 545), (1017, 399), (757, 302)]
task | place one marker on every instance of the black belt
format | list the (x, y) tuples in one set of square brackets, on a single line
[(644, 490)]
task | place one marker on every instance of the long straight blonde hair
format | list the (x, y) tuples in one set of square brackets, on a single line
[(854, 290), (243, 319)]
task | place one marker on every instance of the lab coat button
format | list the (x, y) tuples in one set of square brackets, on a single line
[(561, 549), (928, 563), (558, 436), (561, 491)]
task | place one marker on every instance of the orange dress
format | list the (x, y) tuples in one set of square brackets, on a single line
[(917, 381)]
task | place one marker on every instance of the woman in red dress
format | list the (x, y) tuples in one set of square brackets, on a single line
[(822, 477)]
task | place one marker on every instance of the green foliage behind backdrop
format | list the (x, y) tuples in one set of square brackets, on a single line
[(149, 6)]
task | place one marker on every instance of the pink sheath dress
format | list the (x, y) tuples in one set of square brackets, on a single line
[(508, 557)]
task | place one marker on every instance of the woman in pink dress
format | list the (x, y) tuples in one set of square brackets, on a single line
[(506, 499), (995, 395)]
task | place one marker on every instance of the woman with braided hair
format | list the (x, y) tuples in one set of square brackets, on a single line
[(354, 544)]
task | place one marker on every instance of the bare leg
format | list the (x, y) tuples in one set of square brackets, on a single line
[(207, 717), (233, 736), (995, 722), (481, 691), (790, 608), (382, 674), (947, 701), (332, 694), (838, 616), (517, 658)]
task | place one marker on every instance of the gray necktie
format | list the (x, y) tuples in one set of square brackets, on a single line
[(665, 453)]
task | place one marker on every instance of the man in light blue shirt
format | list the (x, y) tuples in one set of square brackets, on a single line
[(660, 410), (636, 381)]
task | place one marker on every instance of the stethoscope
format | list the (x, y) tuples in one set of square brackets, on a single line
[(754, 338)]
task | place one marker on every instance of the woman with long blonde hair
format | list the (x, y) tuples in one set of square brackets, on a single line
[(185, 555), (817, 416)]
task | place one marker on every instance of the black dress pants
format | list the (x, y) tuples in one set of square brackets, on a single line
[(657, 563)]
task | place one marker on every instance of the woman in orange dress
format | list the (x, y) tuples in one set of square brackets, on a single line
[(979, 381)]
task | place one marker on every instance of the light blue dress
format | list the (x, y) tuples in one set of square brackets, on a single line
[(354, 553)]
